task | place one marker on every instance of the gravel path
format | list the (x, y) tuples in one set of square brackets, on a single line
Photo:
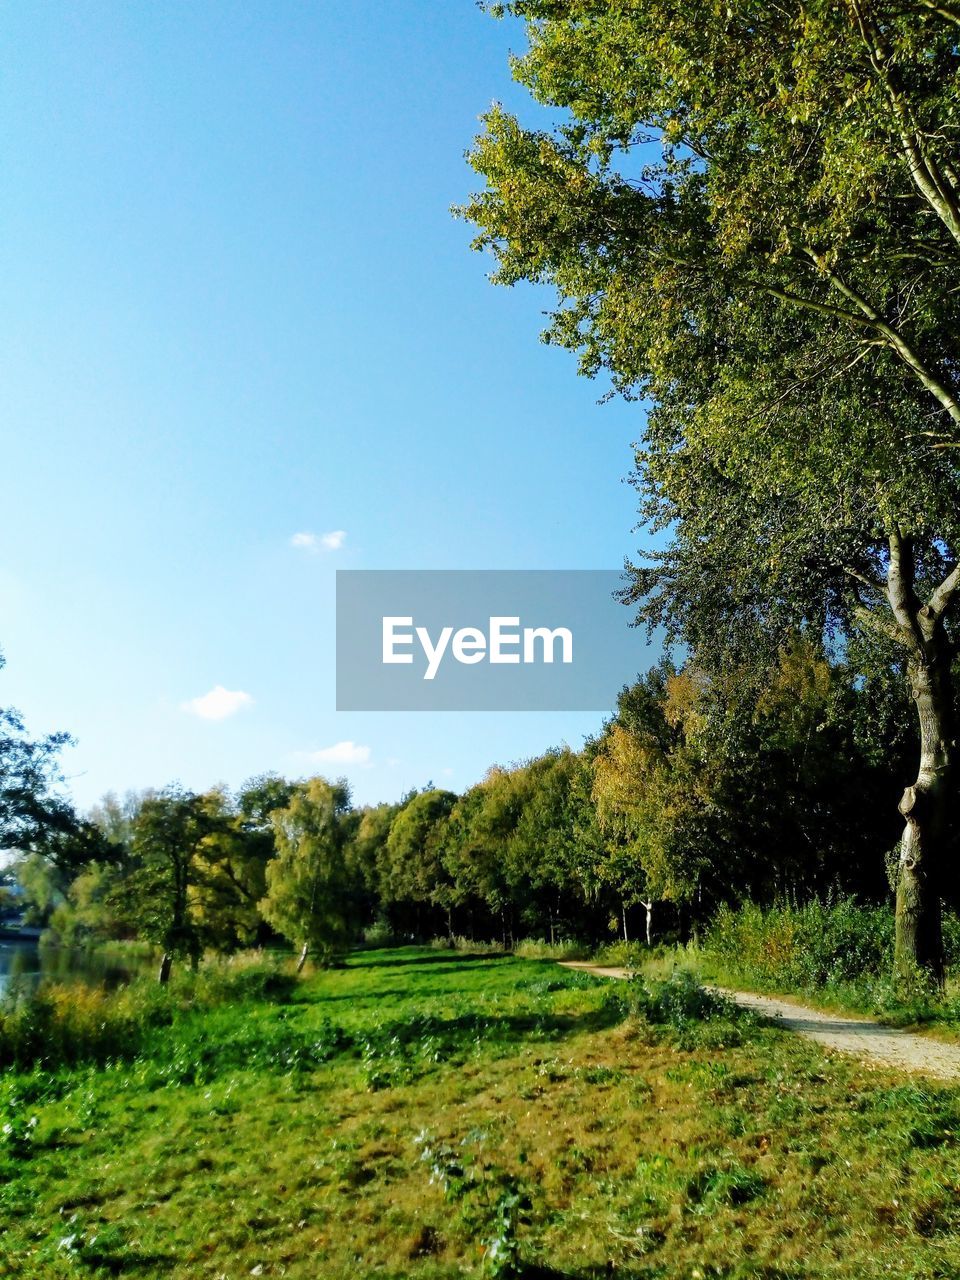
[(867, 1040)]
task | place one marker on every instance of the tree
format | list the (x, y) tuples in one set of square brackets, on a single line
[(168, 834), (366, 858), (308, 893), (752, 216), (33, 818), (656, 795), (232, 861), (414, 867), (546, 856)]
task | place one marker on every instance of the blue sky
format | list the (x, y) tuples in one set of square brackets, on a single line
[(235, 308)]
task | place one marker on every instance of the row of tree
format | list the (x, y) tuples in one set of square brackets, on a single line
[(701, 789)]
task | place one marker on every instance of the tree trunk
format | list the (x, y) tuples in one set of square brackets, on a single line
[(623, 913), (303, 957), (648, 907), (166, 963), (926, 810)]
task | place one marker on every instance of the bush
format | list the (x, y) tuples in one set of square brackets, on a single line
[(677, 1002), (691, 1016), (380, 934), (628, 955), (66, 1025), (793, 947), (249, 976)]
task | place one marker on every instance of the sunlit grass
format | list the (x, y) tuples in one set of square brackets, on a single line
[(402, 1116)]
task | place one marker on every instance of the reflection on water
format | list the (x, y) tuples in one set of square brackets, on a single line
[(24, 965)]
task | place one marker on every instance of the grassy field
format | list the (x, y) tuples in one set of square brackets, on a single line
[(425, 1114)]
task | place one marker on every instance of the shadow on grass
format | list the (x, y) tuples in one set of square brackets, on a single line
[(360, 960), (456, 1032), (642, 1271), (386, 996), (128, 1262), (413, 1043), (605, 1272)]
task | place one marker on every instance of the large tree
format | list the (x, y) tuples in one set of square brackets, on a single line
[(751, 215)]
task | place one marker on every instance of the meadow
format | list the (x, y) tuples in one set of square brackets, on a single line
[(430, 1114)]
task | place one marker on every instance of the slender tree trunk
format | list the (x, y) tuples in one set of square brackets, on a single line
[(303, 957), (648, 907), (166, 963), (925, 807), (623, 914)]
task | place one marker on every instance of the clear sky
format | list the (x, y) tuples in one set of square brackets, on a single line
[(235, 308)]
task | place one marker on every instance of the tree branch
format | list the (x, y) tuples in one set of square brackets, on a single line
[(892, 337), (900, 592), (942, 598), (931, 179)]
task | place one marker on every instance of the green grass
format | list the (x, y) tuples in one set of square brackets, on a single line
[(429, 1114)]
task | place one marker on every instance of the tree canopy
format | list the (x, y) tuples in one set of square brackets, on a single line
[(750, 215)]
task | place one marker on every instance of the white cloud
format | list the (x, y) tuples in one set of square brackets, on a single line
[(317, 542), (342, 753), (218, 703)]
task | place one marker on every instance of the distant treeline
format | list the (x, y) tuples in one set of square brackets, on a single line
[(702, 789)]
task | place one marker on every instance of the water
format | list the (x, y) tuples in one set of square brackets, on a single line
[(24, 965)]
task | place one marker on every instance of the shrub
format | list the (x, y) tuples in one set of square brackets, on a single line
[(677, 1002), (812, 945), (628, 955), (248, 976), (690, 1015), (379, 934)]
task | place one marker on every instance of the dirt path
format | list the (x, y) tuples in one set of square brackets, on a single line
[(865, 1039)]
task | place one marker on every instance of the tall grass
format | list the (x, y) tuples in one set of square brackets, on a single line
[(68, 1024), (538, 949)]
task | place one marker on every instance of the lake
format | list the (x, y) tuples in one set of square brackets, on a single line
[(25, 964)]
